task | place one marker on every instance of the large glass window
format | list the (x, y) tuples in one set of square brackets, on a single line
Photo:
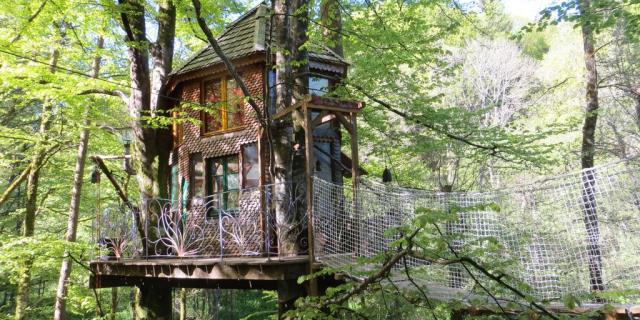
[(223, 188), (224, 103)]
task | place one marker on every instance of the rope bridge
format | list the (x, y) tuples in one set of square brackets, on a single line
[(573, 234)]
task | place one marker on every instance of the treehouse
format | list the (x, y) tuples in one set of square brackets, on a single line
[(229, 223)]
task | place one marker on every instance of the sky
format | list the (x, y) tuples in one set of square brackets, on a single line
[(528, 9)]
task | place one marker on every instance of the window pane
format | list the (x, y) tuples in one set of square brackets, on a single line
[(196, 170), (235, 104), (175, 185), (271, 80), (318, 86), (250, 169), (232, 165), (212, 100), (217, 169), (233, 181), (232, 200)]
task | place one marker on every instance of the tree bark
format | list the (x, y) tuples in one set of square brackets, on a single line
[(31, 206), (76, 192), (589, 205), (183, 304), (162, 52), (155, 303), (331, 21), (146, 98)]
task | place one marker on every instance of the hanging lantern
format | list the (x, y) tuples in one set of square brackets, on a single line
[(125, 135), (95, 175), (386, 175)]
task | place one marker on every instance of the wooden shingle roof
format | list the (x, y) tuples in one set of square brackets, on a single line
[(245, 36)]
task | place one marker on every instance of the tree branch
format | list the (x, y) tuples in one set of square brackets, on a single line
[(113, 93), (25, 173)]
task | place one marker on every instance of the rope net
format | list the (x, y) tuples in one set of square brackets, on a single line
[(573, 234)]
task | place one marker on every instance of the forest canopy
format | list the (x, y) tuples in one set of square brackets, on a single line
[(460, 96)]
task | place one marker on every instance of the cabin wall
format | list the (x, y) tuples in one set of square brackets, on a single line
[(242, 232)]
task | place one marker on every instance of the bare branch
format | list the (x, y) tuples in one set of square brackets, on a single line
[(113, 93)]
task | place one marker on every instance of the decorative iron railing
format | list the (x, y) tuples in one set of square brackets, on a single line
[(265, 221)]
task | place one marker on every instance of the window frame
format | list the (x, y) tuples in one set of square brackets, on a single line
[(224, 108), (223, 202)]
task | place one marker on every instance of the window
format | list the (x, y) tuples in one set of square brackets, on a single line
[(175, 186), (213, 102), (318, 86), (223, 175), (224, 103), (177, 130), (250, 168), (271, 83), (196, 173)]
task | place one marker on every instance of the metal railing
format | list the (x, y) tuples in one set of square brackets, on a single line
[(265, 221)]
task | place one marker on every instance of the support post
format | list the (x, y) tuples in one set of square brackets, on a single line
[(155, 303), (309, 164), (288, 292), (354, 178)]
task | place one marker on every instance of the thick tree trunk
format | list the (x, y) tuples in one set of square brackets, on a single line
[(155, 303), (292, 84), (587, 154), (145, 96), (281, 134), (162, 52), (331, 21), (76, 192), (31, 206)]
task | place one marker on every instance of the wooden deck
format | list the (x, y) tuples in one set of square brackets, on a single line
[(226, 273)]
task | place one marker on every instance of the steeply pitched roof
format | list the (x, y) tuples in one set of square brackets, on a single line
[(245, 36)]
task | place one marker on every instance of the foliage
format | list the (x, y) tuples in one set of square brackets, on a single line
[(452, 100)]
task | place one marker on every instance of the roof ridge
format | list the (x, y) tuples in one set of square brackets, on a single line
[(240, 19), (224, 31)]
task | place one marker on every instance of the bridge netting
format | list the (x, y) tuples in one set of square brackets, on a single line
[(571, 234)]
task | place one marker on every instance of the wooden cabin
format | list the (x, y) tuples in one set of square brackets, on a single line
[(220, 219), (220, 166)]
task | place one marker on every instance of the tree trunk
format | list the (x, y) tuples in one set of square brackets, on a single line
[(292, 84), (183, 304), (31, 206), (155, 303), (589, 206), (162, 53), (114, 303), (331, 21), (76, 191), (145, 99)]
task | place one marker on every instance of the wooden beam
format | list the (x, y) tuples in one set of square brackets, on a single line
[(354, 167), (310, 163), (323, 117), (301, 103), (193, 271), (345, 123)]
